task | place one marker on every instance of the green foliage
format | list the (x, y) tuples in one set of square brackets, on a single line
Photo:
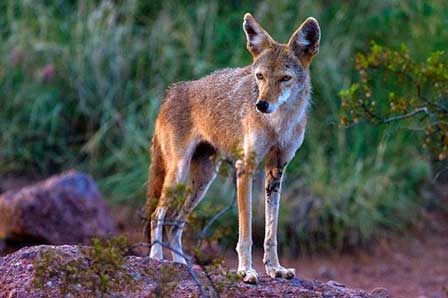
[(101, 269), (81, 82), (222, 279), (166, 285), (422, 94), (176, 196), (356, 200), (74, 91)]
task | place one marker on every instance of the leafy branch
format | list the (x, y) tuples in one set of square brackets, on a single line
[(392, 86)]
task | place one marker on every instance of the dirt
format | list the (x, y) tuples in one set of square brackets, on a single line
[(411, 266)]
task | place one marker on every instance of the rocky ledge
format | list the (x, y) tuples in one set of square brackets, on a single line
[(31, 272)]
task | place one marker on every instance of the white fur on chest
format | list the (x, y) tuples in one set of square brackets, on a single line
[(284, 122)]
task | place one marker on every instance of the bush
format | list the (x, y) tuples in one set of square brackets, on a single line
[(99, 269), (422, 96)]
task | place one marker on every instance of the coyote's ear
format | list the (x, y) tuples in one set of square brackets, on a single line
[(257, 39), (305, 41)]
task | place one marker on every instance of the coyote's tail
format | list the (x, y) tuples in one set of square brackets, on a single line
[(156, 177)]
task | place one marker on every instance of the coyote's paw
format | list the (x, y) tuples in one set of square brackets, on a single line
[(249, 276), (280, 272)]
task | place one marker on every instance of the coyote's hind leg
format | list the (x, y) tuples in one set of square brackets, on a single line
[(203, 170), (175, 175), (157, 233)]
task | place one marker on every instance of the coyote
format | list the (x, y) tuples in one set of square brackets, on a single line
[(260, 109)]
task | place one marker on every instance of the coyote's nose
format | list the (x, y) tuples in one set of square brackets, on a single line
[(262, 106)]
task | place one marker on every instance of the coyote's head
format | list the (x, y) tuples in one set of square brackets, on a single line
[(280, 70)]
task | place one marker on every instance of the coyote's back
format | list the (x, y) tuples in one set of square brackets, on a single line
[(211, 108)]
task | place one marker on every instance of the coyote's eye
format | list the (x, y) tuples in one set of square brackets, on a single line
[(259, 76), (285, 78)]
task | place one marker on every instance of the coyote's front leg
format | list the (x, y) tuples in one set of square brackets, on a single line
[(244, 246), (274, 172)]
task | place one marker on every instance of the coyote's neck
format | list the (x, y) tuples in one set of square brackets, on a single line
[(290, 114)]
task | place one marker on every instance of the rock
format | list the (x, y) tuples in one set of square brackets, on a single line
[(64, 209), (380, 293), (150, 278)]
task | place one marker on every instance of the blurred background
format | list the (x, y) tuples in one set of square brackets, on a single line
[(81, 83)]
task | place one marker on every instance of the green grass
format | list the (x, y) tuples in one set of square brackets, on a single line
[(81, 82)]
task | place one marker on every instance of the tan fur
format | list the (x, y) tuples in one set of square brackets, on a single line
[(217, 115)]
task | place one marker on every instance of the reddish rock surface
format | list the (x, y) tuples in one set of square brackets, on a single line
[(64, 209), (17, 271)]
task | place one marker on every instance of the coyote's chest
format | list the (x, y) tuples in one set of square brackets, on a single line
[(287, 127)]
